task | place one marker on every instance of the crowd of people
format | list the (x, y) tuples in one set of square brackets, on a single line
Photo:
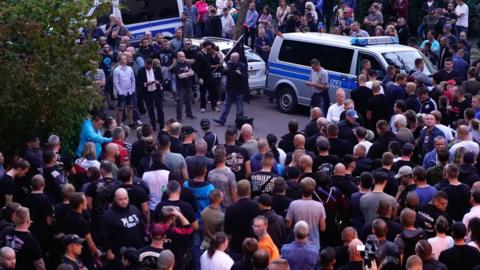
[(386, 179)]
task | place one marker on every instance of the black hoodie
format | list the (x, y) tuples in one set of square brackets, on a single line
[(380, 145), (122, 227), (468, 174)]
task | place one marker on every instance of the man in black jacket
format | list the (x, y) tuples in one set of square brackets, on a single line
[(121, 226), (236, 75), (238, 219), (150, 83), (203, 69)]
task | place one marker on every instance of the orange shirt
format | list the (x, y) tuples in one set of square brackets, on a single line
[(266, 243)]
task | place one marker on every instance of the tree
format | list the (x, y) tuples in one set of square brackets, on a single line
[(43, 84)]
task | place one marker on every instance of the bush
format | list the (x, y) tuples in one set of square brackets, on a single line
[(43, 87)]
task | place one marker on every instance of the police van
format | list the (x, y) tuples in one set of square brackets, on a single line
[(341, 56), (139, 16)]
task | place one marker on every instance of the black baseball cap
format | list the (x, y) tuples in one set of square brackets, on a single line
[(265, 200), (205, 123), (72, 239), (187, 130), (129, 253)]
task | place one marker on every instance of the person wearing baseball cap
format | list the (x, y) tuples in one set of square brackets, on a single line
[(148, 255), (346, 127), (130, 259), (210, 138), (73, 248), (189, 134), (407, 184)]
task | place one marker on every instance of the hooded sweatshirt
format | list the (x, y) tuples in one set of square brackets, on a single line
[(122, 227)]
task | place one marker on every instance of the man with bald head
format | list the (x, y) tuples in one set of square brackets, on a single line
[(341, 252), (334, 111), (465, 141), (321, 129), (311, 127), (199, 158), (183, 73), (249, 143), (301, 254), (238, 218), (355, 259), (237, 87), (121, 226), (7, 258), (299, 144), (343, 182)]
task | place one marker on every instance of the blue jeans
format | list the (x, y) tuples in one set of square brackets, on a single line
[(228, 105), (197, 241)]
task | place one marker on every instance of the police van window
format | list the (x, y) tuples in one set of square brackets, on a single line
[(301, 53), (405, 61), (137, 11), (373, 60)]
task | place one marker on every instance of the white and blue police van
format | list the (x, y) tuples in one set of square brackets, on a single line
[(289, 63), (140, 16)]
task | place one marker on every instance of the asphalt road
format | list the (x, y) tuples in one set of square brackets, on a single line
[(267, 119)]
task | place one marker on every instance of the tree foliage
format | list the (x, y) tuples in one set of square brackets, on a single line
[(43, 87)]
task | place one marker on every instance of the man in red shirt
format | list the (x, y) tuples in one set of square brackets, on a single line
[(118, 138)]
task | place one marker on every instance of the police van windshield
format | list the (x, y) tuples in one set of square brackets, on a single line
[(138, 11), (405, 61)]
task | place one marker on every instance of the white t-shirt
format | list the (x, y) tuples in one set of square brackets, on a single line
[(463, 20), (219, 261), (446, 131), (369, 85), (474, 212), (367, 145), (439, 245), (468, 145), (227, 24), (334, 112), (156, 181)]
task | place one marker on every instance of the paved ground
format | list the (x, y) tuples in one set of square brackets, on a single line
[(267, 119)]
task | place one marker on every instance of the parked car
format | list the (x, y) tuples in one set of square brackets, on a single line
[(256, 66)]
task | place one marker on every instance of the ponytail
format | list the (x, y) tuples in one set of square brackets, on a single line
[(215, 242)]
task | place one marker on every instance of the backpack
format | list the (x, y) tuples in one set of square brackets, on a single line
[(409, 244), (326, 168), (105, 192)]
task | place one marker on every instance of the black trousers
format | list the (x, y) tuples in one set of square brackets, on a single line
[(209, 86), (141, 101), (154, 101)]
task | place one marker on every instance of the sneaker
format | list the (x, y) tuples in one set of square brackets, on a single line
[(202, 110), (218, 122), (191, 116), (216, 109), (139, 123)]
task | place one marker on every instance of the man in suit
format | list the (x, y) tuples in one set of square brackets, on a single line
[(150, 82)]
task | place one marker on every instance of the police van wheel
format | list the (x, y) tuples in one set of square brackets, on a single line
[(286, 100)]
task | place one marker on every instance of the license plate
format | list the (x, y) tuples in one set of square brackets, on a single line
[(252, 73)]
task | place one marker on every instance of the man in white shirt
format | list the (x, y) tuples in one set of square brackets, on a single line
[(462, 17), (475, 210), (156, 179), (446, 130), (465, 141), (124, 83), (227, 24), (372, 77), (336, 109)]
